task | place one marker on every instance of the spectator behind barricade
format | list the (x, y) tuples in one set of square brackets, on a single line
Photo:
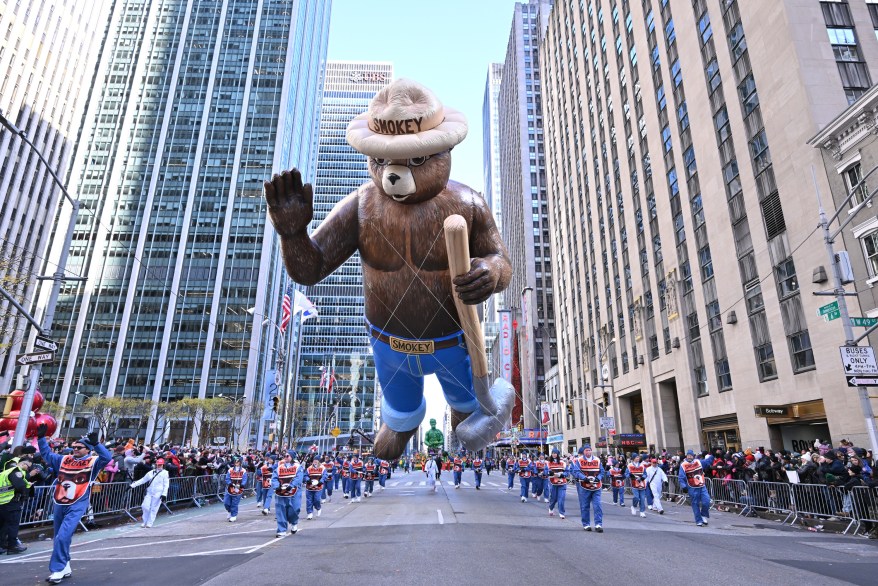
[(172, 464), (142, 467), (832, 470), (133, 457)]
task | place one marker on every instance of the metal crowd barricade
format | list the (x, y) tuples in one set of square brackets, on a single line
[(39, 508), (771, 497), (818, 500), (727, 492), (865, 506), (675, 491)]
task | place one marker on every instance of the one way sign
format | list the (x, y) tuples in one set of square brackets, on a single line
[(46, 344), (862, 381)]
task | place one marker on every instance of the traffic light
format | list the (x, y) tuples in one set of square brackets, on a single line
[(606, 399), (275, 401), (521, 427), (569, 409)]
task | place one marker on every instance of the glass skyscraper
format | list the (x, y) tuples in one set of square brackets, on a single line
[(195, 103), (337, 341)]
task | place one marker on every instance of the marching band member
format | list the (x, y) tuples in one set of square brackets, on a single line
[(346, 477), (541, 475), (617, 482), (286, 480), (75, 474), (263, 483), (383, 471), (331, 474), (236, 479), (524, 467), (692, 473), (457, 470), (478, 467), (315, 476), (510, 472), (336, 472), (557, 483), (588, 470), (655, 479), (371, 471), (356, 472), (157, 483), (635, 472), (489, 465)]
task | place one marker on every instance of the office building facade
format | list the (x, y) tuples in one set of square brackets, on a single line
[(523, 201), (683, 215), (491, 171), (337, 342), (48, 52), (194, 105)]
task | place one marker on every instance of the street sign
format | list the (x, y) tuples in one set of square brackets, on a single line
[(859, 360), (608, 422), (219, 440), (828, 308), (864, 322), (45, 344), (772, 410), (335, 431), (35, 358), (862, 381), (832, 315)]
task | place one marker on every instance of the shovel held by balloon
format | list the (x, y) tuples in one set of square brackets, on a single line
[(495, 400)]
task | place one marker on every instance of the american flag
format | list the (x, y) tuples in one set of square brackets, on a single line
[(286, 305)]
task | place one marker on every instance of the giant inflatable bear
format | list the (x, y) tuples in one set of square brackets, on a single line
[(395, 221)]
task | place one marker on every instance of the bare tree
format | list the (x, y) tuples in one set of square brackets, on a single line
[(16, 275)]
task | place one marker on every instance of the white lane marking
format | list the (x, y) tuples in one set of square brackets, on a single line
[(409, 483), (275, 540), (173, 541), (422, 483), (465, 483), (494, 484), (441, 520), (394, 483), (450, 483)]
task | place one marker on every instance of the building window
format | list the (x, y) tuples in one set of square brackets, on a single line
[(843, 37), (754, 298), (706, 263), (692, 324), (701, 380), (853, 175), (765, 362), (787, 283), (653, 347), (800, 348), (714, 318), (723, 375), (870, 252)]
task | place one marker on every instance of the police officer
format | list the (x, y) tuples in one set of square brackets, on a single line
[(588, 470), (315, 476), (286, 480), (75, 473), (236, 480), (14, 488)]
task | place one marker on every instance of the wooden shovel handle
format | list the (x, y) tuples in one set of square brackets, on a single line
[(457, 245)]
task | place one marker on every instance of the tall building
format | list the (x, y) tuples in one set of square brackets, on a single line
[(194, 105), (683, 217), (491, 171), (48, 52), (524, 205), (337, 342)]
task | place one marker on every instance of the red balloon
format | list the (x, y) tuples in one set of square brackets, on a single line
[(8, 424), (17, 396), (38, 401), (51, 423)]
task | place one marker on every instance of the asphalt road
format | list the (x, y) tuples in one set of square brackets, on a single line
[(458, 536)]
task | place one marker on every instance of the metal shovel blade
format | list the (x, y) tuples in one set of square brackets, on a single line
[(494, 413)]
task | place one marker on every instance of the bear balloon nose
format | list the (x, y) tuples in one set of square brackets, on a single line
[(393, 178)]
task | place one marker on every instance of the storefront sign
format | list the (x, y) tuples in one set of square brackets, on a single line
[(506, 346), (772, 410), (368, 77), (555, 438)]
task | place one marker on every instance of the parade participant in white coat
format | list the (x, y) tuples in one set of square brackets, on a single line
[(655, 479), (157, 482)]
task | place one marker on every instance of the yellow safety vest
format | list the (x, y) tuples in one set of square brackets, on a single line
[(7, 491)]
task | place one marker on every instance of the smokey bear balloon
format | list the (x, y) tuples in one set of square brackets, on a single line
[(395, 221)]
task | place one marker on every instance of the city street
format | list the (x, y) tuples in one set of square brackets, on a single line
[(411, 536)]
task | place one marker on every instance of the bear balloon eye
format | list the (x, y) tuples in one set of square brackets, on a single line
[(381, 162), (418, 161)]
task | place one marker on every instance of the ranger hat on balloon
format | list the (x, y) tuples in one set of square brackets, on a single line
[(406, 120)]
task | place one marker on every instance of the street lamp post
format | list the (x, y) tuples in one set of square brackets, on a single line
[(72, 414), (58, 278), (601, 384)]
